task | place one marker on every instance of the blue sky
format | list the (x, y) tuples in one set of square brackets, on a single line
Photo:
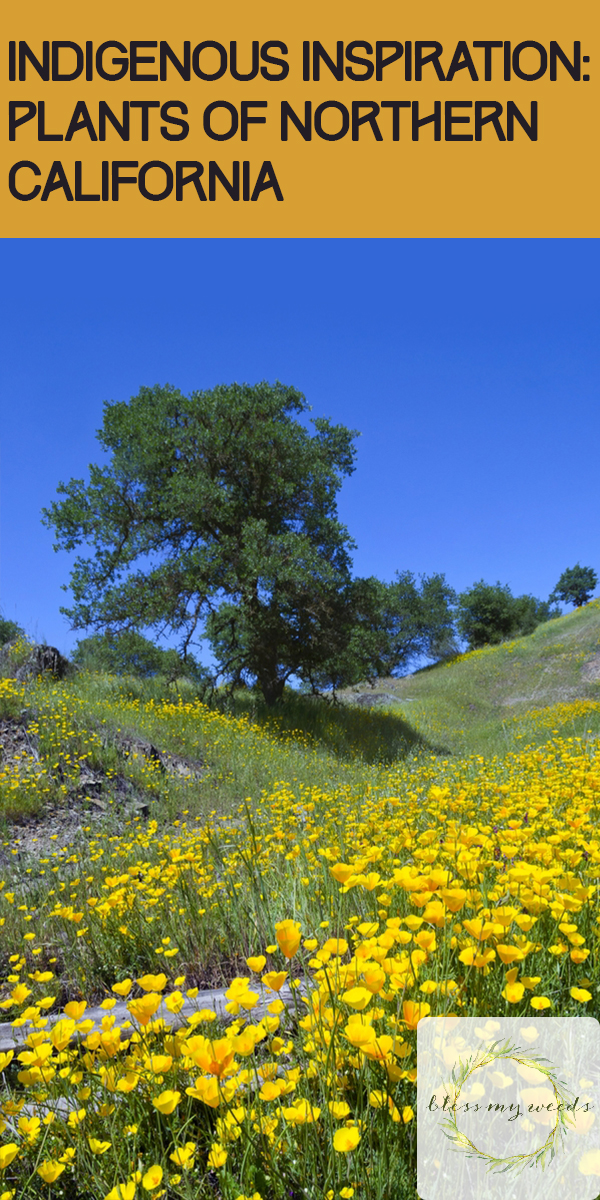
[(470, 368)]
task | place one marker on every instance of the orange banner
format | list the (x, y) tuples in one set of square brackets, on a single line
[(238, 120)]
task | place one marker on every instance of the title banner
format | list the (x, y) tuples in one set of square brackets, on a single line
[(233, 120)]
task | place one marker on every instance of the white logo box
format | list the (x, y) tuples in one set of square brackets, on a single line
[(521, 1118)]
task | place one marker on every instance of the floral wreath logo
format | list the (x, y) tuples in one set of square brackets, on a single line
[(514, 1162)]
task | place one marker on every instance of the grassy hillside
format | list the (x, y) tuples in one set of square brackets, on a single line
[(489, 700), (439, 856)]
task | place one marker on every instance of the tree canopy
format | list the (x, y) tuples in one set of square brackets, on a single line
[(488, 614), (576, 585), (215, 513), (129, 653), (382, 627)]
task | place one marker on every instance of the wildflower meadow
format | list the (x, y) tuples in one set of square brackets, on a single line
[(328, 885)]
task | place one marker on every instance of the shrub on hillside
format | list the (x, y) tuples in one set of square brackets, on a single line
[(9, 631), (130, 653), (15, 649), (530, 612), (489, 614)]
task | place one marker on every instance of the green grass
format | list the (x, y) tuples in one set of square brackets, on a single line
[(487, 702), (370, 736), (82, 723), (482, 702)]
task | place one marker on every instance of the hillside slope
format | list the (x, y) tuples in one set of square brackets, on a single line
[(487, 699)]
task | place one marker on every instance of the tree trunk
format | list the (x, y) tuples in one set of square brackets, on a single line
[(271, 688)]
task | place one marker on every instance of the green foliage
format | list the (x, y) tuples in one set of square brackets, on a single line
[(215, 509), (9, 630), (15, 648), (576, 585), (381, 628), (489, 614), (530, 612), (503, 697), (486, 614), (129, 653)]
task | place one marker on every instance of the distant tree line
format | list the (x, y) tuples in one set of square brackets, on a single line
[(214, 517)]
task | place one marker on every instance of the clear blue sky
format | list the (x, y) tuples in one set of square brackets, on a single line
[(470, 368)]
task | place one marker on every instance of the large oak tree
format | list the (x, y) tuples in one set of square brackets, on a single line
[(215, 514)]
